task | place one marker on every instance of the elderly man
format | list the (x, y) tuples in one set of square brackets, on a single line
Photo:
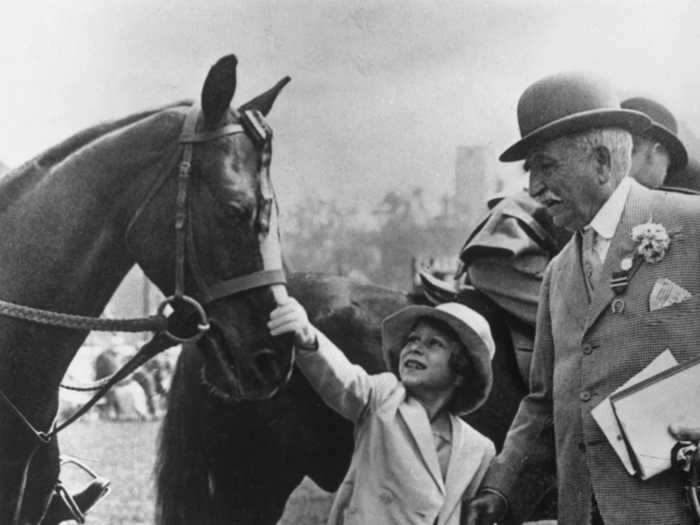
[(505, 256), (658, 151), (595, 326)]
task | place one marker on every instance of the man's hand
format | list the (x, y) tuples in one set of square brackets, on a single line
[(290, 317), (684, 433), (485, 509)]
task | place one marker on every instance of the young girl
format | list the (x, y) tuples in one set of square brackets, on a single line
[(414, 460)]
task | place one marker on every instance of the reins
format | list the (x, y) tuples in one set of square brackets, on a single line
[(163, 337)]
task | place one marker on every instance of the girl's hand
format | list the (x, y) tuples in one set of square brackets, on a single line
[(290, 317)]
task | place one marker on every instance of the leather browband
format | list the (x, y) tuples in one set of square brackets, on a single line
[(205, 136)]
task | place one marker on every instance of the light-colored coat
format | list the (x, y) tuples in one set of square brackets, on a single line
[(394, 475), (584, 351)]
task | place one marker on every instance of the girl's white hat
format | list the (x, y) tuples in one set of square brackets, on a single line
[(471, 328)]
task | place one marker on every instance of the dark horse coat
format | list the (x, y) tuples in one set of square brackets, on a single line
[(222, 462)]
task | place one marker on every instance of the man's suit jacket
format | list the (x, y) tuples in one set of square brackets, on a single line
[(394, 476), (583, 351)]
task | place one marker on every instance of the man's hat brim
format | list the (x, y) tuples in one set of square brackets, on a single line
[(633, 121), (674, 146)]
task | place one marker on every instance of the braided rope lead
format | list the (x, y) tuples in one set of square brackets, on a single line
[(154, 323)]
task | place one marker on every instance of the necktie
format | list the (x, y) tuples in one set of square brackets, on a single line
[(591, 261)]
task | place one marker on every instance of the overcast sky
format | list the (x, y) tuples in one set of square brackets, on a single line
[(382, 92)]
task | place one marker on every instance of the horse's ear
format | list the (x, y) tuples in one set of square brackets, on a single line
[(218, 90), (263, 103)]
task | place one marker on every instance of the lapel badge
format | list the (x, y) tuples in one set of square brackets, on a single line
[(618, 305), (620, 280), (626, 264)]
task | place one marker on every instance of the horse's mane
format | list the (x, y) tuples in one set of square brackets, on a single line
[(15, 181), (60, 151)]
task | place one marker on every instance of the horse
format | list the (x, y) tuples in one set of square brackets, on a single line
[(184, 192), (237, 463)]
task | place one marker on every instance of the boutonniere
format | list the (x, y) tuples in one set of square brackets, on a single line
[(652, 241)]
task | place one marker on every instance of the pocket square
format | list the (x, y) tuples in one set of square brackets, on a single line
[(665, 293)]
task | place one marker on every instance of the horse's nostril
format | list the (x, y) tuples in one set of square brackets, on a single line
[(266, 363)]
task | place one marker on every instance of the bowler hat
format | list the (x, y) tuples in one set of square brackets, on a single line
[(568, 103), (663, 130), (474, 333)]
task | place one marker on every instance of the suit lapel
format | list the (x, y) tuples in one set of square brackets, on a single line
[(416, 420), (637, 211), (570, 281)]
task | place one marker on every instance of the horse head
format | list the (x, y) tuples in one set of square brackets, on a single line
[(228, 271)]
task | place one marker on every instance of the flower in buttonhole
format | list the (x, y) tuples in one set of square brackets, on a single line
[(652, 241)]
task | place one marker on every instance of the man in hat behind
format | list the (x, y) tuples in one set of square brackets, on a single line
[(604, 311), (658, 151)]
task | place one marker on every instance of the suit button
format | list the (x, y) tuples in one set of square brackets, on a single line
[(587, 349), (582, 446), (585, 396)]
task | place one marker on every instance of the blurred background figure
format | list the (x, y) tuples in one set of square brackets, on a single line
[(659, 151), (142, 396)]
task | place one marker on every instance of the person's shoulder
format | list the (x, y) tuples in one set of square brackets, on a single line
[(387, 389), (678, 189), (685, 203)]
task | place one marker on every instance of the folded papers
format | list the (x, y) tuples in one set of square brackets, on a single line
[(635, 418)]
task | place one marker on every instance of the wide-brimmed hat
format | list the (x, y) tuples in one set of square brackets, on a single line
[(664, 128), (474, 333), (568, 103)]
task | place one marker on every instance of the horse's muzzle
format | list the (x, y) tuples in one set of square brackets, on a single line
[(234, 373)]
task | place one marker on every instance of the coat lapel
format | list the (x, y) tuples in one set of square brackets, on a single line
[(464, 464), (637, 211), (416, 420), (570, 281)]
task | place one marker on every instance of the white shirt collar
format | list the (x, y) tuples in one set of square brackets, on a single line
[(605, 221)]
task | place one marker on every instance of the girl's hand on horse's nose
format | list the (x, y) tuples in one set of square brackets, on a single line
[(291, 317)]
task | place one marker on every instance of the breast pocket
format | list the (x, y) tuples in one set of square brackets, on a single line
[(682, 312)]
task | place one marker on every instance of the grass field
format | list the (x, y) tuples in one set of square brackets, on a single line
[(124, 452)]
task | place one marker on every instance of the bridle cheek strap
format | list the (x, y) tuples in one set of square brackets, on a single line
[(272, 274)]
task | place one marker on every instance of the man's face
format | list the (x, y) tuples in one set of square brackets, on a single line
[(566, 179), (650, 162), (424, 361)]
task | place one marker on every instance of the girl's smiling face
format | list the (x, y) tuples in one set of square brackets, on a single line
[(424, 361)]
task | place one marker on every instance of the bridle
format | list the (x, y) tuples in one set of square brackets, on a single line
[(253, 125)]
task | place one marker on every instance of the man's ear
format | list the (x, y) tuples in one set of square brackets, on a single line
[(661, 151), (603, 160)]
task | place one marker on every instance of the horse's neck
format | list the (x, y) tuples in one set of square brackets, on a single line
[(63, 235)]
